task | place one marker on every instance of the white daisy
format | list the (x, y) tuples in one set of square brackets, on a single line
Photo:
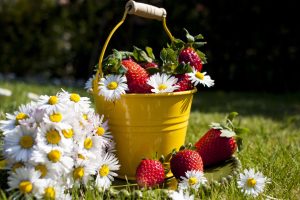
[(89, 84), (100, 128), (25, 180), (197, 77), (251, 182), (14, 165), (86, 119), (94, 144), (55, 158), (110, 147), (79, 154), (112, 87), (83, 170), (53, 136), (105, 171), (22, 116), (162, 83), (49, 189), (46, 170), (59, 119), (19, 143), (181, 195), (51, 103), (193, 179), (75, 101)]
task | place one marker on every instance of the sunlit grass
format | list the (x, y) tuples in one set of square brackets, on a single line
[(272, 146)]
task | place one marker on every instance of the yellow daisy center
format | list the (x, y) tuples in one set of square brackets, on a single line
[(100, 131), (21, 116), (162, 87), (55, 117), (53, 100), (42, 168), (81, 156), (88, 143), (112, 85), (75, 97), (49, 193), (85, 117), (78, 173), (25, 187), (68, 133), (104, 170), (53, 137), (199, 75), (251, 182), (26, 142), (17, 166), (193, 181), (54, 155)]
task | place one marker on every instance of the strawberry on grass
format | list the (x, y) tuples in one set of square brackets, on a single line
[(185, 160), (150, 173), (220, 142)]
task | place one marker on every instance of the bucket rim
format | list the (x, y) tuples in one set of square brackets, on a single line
[(159, 94)]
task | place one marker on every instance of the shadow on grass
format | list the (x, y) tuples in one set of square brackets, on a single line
[(274, 106)]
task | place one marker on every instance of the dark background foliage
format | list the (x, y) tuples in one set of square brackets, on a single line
[(252, 45)]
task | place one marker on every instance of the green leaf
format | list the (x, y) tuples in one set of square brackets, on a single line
[(150, 52), (239, 143), (199, 37), (152, 70), (189, 37), (202, 56), (169, 68), (215, 125), (198, 44), (163, 55), (183, 68), (122, 70), (232, 115), (126, 54), (227, 133), (240, 131), (168, 56), (177, 44), (162, 159), (140, 55)]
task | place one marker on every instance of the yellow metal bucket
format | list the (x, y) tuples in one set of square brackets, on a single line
[(144, 125)]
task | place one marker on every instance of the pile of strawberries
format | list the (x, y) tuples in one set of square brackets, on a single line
[(178, 59), (217, 145)]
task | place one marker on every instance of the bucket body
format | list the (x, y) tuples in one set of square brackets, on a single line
[(144, 125)]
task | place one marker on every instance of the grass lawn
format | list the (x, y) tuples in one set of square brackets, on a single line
[(271, 147)]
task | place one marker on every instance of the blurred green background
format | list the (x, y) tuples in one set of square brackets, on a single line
[(252, 45)]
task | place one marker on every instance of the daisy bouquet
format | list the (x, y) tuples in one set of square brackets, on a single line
[(179, 68), (57, 143)]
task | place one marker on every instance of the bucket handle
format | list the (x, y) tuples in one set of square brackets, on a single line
[(139, 9)]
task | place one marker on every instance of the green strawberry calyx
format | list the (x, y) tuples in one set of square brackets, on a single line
[(229, 130), (225, 130)]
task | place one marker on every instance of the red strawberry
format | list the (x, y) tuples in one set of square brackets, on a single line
[(218, 144), (183, 82), (150, 173), (149, 65), (136, 77), (214, 149), (185, 160), (189, 55)]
